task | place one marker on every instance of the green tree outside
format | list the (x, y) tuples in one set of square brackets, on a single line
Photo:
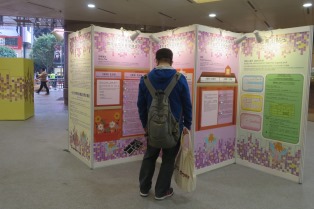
[(43, 51), (7, 52)]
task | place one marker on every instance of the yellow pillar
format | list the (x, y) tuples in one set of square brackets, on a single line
[(16, 88)]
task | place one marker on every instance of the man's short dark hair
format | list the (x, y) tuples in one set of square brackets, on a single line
[(164, 54)]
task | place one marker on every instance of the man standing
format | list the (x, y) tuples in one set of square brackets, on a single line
[(181, 108), (43, 81)]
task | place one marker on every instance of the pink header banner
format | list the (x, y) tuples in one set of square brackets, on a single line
[(182, 45), (116, 75), (116, 49), (133, 76)]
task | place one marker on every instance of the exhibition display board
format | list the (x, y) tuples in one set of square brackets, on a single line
[(119, 63), (182, 42), (215, 110), (80, 95), (273, 101), (104, 71), (249, 102), (16, 89)]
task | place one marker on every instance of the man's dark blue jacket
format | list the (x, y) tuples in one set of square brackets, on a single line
[(180, 100)]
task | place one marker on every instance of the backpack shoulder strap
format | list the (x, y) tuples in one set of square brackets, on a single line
[(172, 83), (149, 86)]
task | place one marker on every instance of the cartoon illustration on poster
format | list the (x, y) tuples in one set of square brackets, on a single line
[(107, 125)]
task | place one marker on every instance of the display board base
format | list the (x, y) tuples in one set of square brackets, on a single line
[(76, 154), (269, 170), (213, 167), (118, 161)]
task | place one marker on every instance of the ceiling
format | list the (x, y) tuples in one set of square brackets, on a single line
[(233, 15)]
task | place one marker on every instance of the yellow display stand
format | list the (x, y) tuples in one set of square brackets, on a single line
[(16, 88)]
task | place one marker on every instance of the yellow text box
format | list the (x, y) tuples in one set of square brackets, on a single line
[(251, 102)]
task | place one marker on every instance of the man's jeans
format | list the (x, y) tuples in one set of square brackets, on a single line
[(165, 173)]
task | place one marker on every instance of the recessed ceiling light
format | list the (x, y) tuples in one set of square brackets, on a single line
[(91, 5), (212, 15), (307, 5)]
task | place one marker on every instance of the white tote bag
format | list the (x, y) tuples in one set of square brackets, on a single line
[(184, 174)]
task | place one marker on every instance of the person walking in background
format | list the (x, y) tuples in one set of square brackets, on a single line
[(43, 81), (181, 108)]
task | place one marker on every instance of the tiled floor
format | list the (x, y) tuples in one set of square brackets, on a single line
[(37, 172)]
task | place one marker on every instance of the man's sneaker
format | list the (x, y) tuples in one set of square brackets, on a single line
[(169, 193), (143, 194)]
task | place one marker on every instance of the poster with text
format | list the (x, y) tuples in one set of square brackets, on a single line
[(120, 93), (119, 65), (131, 119), (216, 51), (108, 92), (114, 48), (181, 42), (189, 75), (214, 146), (80, 94), (273, 92)]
